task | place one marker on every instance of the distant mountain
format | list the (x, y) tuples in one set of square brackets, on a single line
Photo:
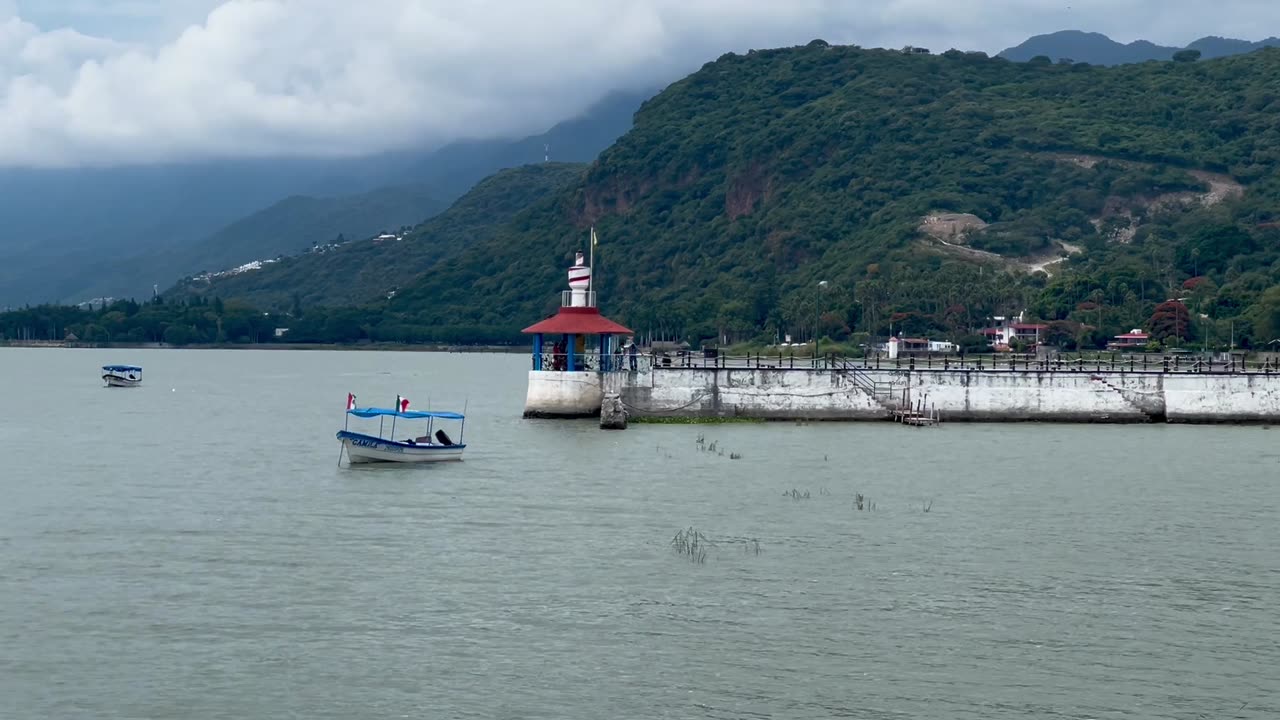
[(74, 234), (59, 225), (296, 224), (577, 140), (293, 225), (365, 270), (1215, 47), (1098, 49)]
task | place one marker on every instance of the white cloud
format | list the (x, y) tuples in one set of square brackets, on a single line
[(262, 77)]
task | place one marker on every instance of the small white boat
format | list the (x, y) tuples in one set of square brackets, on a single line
[(434, 446), (122, 375)]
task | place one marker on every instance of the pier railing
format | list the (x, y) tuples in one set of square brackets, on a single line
[(589, 362), (856, 368), (986, 363), (566, 298)]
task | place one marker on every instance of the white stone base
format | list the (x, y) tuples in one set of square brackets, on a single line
[(563, 394)]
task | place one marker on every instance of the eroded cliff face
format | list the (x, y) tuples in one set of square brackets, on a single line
[(747, 190), (616, 196)]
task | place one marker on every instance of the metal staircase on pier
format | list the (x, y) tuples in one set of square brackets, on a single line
[(885, 394), (895, 398)]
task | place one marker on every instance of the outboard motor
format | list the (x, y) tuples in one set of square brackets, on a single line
[(443, 438)]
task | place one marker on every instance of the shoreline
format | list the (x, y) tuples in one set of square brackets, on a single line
[(367, 347)]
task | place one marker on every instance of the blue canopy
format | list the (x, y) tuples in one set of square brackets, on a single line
[(122, 368), (409, 415)]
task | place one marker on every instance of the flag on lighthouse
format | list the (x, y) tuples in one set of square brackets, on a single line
[(351, 401), (402, 404), (594, 242)]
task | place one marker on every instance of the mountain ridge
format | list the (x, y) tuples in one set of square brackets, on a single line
[(66, 228), (362, 270), (291, 226), (1098, 49)]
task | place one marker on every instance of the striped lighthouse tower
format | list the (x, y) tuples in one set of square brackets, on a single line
[(579, 283)]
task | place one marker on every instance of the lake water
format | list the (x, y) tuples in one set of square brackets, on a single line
[(191, 549)]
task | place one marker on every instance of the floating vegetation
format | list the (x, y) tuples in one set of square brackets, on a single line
[(860, 502), (927, 505), (796, 494), (691, 543), (714, 447), (823, 491), (670, 420)]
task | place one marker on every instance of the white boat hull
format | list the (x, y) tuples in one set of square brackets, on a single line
[(121, 381), (368, 449)]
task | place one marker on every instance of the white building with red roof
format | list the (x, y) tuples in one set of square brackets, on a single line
[(1134, 339), (1014, 329)]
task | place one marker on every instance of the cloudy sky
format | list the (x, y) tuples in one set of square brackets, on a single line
[(115, 81)]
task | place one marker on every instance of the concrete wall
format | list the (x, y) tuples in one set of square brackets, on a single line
[(1021, 396), (563, 394), (734, 392), (989, 395), (1222, 398)]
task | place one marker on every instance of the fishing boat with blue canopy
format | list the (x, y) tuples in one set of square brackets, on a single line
[(433, 446), (122, 375)]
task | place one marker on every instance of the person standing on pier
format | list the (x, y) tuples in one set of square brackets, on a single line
[(632, 352)]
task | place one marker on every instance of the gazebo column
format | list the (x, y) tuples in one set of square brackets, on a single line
[(570, 341), (537, 351)]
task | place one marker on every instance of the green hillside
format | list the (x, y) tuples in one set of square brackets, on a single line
[(363, 270), (928, 191), (744, 184)]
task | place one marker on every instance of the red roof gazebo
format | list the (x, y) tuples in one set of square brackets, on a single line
[(570, 329), (577, 321)]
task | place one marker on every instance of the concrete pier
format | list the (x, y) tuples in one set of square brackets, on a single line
[(989, 395)]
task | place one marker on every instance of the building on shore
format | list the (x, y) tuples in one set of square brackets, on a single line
[(902, 347), (1010, 330), (1135, 339)]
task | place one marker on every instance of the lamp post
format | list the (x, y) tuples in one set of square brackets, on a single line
[(817, 319)]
